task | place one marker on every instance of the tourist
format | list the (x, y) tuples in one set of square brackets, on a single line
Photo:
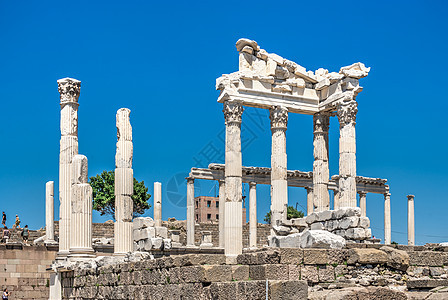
[(6, 294), (5, 236), (4, 220), (17, 223), (25, 234)]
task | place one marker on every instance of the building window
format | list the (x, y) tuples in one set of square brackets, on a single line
[(209, 203), (217, 217), (209, 216), (197, 203), (217, 204)]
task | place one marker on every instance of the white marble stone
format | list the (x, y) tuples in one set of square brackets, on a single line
[(387, 221), (253, 215), (321, 239), (49, 212), (190, 212), (158, 204), (222, 205), (411, 223)]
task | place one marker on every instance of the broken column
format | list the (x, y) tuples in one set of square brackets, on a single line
[(321, 172), (279, 183), (158, 204), (387, 224), (190, 212), (124, 185), (49, 212), (81, 218), (363, 203), (222, 205), (309, 200), (69, 90), (346, 112), (252, 215), (411, 224), (233, 226)]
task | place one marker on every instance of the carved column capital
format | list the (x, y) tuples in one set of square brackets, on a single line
[(386, 195), (321, 122), (233, 111), (252, 184), (346, 112), (190, 180), (309, 189), (69, 89), (362, 193), (279, 117), (410, 197)]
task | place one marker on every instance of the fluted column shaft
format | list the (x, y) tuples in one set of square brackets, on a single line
[(158, 204), (49, 212), (411, 224), (222, 205), (124, 185), (346, 112), (69, 90), (363, 203), (190, 211), (387, 223), (309, 201), (233, 226), (279, 183), (336, 204), (252, 215), (321, 171), (81, 218)]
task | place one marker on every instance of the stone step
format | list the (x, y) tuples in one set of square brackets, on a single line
[(426, 283)]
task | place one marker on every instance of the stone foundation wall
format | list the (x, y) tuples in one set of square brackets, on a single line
[(363, 272)]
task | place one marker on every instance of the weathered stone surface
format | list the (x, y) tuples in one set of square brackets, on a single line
[(317, 226), (291, 256), (289, 241), (426, 283), (355, 233), (366, 256), (326, 273), (240, 273), (288, 290), (325, 215), (270, 272), (309, 273), (427, 258), (259, 258), (397, 259), (347, 212), (143, 222), (315, 256), (364, 222), (349, 222), (217, 273), (321, 239)]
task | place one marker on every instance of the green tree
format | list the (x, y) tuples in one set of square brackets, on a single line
[(103, 186), (291, 213)]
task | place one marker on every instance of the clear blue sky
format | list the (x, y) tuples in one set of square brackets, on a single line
[(160, 59)]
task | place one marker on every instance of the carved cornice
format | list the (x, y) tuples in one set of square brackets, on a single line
[(321, 122), (346, 112), (279, 117), (233, 111), (69, 89)]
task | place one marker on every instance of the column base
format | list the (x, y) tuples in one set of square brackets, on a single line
[(231, 259), (81, 254), (62, 255)]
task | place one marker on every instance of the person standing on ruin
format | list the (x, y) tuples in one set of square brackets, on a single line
[(5, 236), (5, 294), (25, 234), (4, 220), (17, 223)]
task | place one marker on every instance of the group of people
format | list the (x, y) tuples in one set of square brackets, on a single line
[(6, 235)]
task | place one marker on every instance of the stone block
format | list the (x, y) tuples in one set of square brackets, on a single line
[(288, 290), (294, 272), (142, 222), (192, 274), (143, 233), (349, 222), (364, 222), (315, 256), (161, 232), (427, 258), (311, 218), (240, 273), (157, 243), (299, 222), (366, 256), (291, 256), (426, 283), (217, 273), (309, 273), (166, 244), (347, 212), (270, 272), (289, 241), (317, 226), (325, 215), (331, 225), (397, 259), (326, 273), (355, 234), (321, 239)]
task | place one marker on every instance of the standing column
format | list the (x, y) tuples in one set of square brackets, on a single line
[(279, 182), (346, 112), (158, 204), (190, 211), (222, 204), (81, 218), (387, 225), (309, 200), (49, 212), (336, 204), (363, 203), (124, 185), (233, 225), (321, 172), (69, 90), (252, 215), (411, 224)]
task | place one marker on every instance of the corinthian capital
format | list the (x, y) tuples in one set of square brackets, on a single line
[(346, 112), (232, 111), (279, 117), (321, 122), (69, 89)]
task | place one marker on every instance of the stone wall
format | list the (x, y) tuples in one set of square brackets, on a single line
[(23, 271), (365, 271)]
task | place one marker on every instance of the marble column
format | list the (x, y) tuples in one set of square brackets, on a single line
[(81, 218), (222, 204), (363, 203), (411, 224), (233, 211), (252, 215), (190, 212), (279, 182), (336, 204), (346, 112), (49, 212), (321, 171), (69, 90), (158, 204), (387, 224), (124, 185), (309, 200)]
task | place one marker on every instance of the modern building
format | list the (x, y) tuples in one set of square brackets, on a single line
[(206, 210)]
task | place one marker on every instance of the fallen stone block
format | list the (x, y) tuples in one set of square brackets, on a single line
[(142, 222), (364, 222), (366, 256), (289, 241), (427, 258), (347, 212), (355, 234), (397, 259), (321, 239), (349, 222)]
